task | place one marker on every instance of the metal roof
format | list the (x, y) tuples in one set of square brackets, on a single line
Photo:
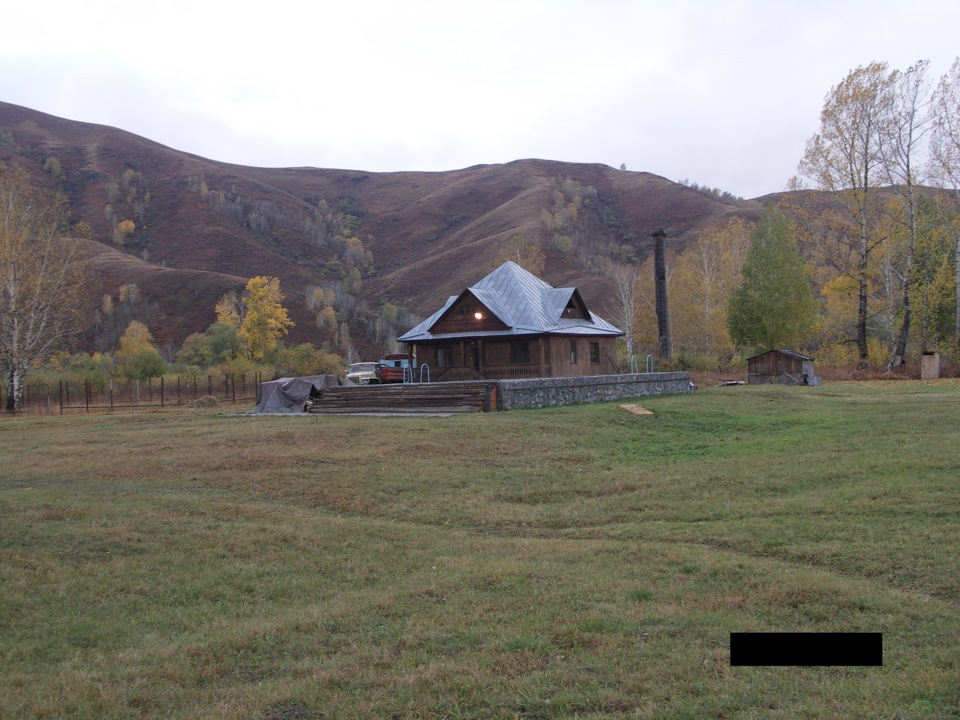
[(523, 302), (789, 353)]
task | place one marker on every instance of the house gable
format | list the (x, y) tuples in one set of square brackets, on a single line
[(564, 304), (511, 301), (468, 314)]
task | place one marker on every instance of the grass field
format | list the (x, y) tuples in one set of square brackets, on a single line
[(570, 562)]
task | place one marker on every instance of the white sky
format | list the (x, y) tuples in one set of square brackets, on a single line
[(722, 92)]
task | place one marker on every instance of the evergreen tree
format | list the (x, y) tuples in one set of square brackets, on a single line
[(774, 305)]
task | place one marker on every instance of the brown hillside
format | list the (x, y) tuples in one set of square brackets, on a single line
[(203, 227)]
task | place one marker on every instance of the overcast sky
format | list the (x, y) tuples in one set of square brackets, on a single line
[(724, 93)]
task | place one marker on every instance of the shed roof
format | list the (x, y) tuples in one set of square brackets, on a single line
[(524, 303), (789, 353)]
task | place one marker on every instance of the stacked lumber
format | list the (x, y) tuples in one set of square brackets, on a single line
[(447, 397)]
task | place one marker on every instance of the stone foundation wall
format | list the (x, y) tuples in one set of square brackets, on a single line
[(547, 392)]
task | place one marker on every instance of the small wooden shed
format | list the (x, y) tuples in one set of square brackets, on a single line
[(781, 367)]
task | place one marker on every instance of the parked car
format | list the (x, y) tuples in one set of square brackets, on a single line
[(365, 373)]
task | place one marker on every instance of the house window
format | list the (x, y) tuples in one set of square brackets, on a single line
[(467, 309), (445, 356), (520, 353), (573, 352), (572, 310), (594, 353)]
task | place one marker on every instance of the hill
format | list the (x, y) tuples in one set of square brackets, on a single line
[(410, 239)]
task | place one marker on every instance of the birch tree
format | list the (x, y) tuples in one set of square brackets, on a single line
[(705, 276), (945, 157), (41, 279), (902, 130), (625, 289), (844, 158)]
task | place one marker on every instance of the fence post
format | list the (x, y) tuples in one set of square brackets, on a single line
[(61, 397), (67, 385), (161, 391), (233, 382), (209, 384), (86, 394), (111, 394)]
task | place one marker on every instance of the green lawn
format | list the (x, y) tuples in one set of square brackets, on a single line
[(569, 562)]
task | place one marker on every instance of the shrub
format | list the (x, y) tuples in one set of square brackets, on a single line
[(145, 365)]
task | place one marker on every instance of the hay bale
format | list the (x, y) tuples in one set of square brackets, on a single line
[(207, 401)]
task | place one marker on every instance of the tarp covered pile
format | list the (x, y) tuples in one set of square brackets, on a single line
[(291, 395)]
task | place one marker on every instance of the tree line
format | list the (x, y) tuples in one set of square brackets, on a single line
[(866, 271), (861, 261)]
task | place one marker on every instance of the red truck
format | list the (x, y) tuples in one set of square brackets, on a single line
[(392, 367)]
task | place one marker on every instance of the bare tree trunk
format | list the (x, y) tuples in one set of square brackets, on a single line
[(14, 389), (862, 283), (900, 353), (956, 330)]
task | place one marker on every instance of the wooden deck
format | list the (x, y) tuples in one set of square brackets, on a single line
[(446, 397)]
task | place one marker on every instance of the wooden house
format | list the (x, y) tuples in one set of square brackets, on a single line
[(782, 367), (512, 324)]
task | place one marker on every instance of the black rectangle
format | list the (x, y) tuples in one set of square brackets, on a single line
[(806, 649)]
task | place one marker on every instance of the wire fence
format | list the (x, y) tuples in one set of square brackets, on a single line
[(66, 397)]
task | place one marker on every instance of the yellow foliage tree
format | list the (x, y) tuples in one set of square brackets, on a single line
[(136, 340), (704, 277), (525, 254), (124, 229), (230, 309), (265, 320), (41, 279)]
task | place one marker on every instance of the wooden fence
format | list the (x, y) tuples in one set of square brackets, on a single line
[(71, 397)]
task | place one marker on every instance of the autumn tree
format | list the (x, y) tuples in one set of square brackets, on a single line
[(932, 280), (945, 160), (41, 279), (525, 254), (625, 301), (135, 340), (219, 344), (230, 309), (774, 306), (704, 277), (194, 351), (123, 230), (902, 130), (844, 158), (265, 320), (137, 356), (305, 359)]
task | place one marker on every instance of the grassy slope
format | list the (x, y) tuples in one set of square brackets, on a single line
[(569, 562)]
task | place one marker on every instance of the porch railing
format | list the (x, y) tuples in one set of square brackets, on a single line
[(489, 372)]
